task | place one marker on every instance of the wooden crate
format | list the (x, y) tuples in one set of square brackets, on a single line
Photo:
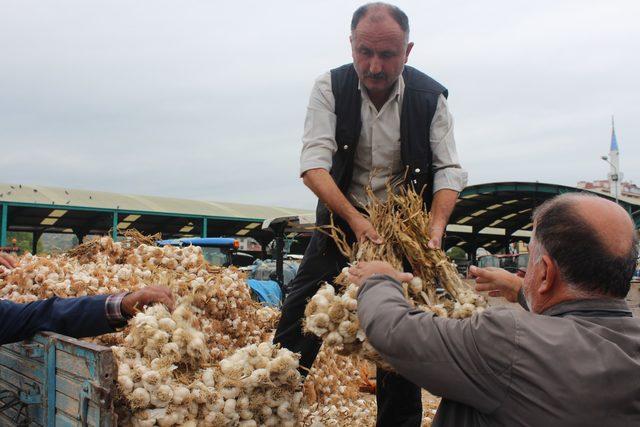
[(55, 380)]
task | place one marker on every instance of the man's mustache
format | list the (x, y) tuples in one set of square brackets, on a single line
[(376, 76)]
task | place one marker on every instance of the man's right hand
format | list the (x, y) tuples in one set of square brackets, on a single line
[(499, 282), (135, 301), (363, 229), (8, 260)]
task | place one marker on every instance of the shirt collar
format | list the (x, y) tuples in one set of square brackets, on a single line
[(588, 305)]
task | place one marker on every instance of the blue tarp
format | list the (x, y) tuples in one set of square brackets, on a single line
[(268, 291), (218, 242)]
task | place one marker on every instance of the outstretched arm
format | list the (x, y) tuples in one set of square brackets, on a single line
[(463, 360), (76, 317), (499, 283)]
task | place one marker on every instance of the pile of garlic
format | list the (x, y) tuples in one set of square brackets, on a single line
[(230, 317), (160, 349), (332, 391), (165, 376), (215, 307), (263, 384), (333, 317)]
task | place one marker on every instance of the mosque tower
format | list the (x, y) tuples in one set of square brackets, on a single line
[(615, 176)]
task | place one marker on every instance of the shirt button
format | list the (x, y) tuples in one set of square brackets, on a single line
[(345, 147), (417, 170)]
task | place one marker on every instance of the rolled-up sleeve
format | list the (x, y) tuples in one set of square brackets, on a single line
[(468, 360), (448, 174), (318, 140)]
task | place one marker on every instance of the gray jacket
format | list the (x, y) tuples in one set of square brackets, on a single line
[(576, 364)]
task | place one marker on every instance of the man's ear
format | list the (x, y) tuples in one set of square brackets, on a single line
[(549, 275), (409, 47)]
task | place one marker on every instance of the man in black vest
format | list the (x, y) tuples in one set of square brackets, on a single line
[(355, 135)]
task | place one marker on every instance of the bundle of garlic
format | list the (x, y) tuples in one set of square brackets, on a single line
[(334, 318), (335, 379), (162, 366), (261, 385), (404, 227)]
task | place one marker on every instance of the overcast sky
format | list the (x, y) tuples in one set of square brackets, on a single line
[(203, 99)]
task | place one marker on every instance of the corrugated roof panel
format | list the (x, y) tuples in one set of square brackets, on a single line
[(42, 195)]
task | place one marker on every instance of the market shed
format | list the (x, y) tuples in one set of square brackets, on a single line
[(39, 209), (493, 215)]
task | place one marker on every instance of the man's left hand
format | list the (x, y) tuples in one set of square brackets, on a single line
[(360, 272)]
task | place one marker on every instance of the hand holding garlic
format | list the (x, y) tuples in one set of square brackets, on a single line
[(136, 301), (360, 272), (7, 260)]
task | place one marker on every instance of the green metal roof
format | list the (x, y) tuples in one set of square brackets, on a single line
[(40, 209), (100, 200), (492, 215)]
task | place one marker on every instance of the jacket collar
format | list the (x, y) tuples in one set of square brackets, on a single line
[(598, 307)]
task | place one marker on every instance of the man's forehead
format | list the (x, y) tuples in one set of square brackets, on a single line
[(380, 38), (378, 26)]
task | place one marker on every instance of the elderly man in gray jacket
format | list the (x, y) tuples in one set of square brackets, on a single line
[(574, 359)]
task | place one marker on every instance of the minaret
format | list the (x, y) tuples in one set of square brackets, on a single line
[(615, 176)]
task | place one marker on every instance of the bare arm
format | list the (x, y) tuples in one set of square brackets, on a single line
[(443, 203), (500, 283), (323, 186)]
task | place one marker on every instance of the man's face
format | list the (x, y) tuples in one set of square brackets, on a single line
[(379, 53)]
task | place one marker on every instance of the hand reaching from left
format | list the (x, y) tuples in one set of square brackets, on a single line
[(8, 260), (135, 301)]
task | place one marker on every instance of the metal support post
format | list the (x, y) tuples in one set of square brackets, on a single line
[(114, 226), (3, 225), (34, 243), (473, 249), (205, 226), (279, 230), (80, 235), (50, 382), (507, 243)]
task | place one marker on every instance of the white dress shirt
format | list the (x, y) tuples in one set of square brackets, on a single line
[(377, 158)]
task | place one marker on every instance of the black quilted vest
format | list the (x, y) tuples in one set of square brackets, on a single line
[(418, 107)]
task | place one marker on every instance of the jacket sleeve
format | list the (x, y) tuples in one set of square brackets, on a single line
[(468, 360), (75, 317)]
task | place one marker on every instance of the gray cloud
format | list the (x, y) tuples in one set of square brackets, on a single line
[(207, 100)]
